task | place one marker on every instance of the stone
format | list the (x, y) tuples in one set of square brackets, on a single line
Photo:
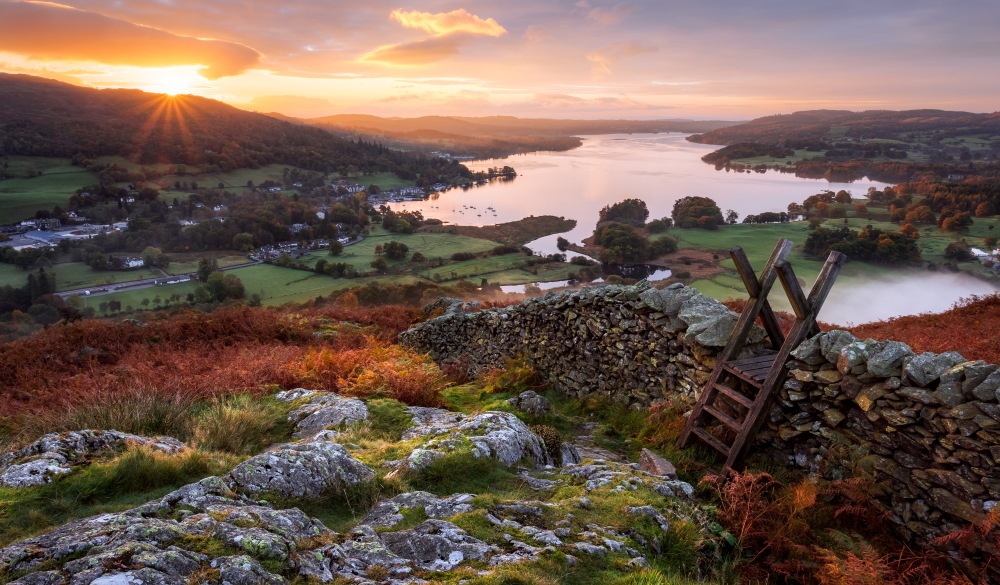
[(866, 398), (833, 416), (299, 470), (502, 436), (809, 351), (532, 404), (436, 545), (831, 342), (927, 367), (244, 570), (801, 375), (653, 464), (326, 411), (888, 361), (828, 376), (918, 395), (855, 354), (56, 454), (989, 388), (387, 514)]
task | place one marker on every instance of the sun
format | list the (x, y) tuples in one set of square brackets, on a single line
[(172, 81)]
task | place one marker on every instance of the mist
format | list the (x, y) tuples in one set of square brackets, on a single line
[(852, 302)]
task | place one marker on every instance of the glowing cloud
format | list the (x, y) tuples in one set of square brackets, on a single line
[(443, 23), (47, 31)]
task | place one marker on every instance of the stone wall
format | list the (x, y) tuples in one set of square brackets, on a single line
[(634, 344), (925, 428)]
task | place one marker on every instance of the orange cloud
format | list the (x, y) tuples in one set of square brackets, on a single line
[(609, 16), (47, 31), (415, 53), (443, 23)]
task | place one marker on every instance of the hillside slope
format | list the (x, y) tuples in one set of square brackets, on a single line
[(41, 117)]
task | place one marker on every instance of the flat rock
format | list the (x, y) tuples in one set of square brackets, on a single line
[(299, 470), (436, 545), (387, 513), (326, 411), (653, 464)]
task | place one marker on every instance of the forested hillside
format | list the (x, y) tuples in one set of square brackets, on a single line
[(41, 117)]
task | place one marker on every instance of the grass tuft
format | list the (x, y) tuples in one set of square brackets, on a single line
[(240, 424)]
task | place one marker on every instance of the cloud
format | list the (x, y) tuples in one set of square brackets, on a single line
[(49, 31), (444, 23), (609, 16), (415, 53), (603, 59), (292, 105), (449, 29)]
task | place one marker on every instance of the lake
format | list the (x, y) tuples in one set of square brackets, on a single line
[(659, 169)]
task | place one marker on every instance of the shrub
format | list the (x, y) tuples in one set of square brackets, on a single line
[(552, 439), (631, 211), (696, 212)]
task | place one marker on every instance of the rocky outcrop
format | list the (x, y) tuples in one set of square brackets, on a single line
[(216, 531), (300, 470), (635, 344), (57, 454), (323, 411), (495, 435)]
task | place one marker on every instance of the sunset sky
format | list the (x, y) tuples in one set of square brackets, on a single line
[(641, 59)]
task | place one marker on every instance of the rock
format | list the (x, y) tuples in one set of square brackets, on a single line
[(244, 570), (989, 388), (918, 395), (828, 376), (56, 453), (831, 342), (386, 514), (299, 470), (855, 354), (651, 513), (927, 367), (868, 395), (431, 421), (436, 545), (326, 411), (653, 464), (532, 404), (590, 549), (809, 351), (888, 361), (502, 436)]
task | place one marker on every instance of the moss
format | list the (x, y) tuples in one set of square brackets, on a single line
[(388, 419), (464, 472)]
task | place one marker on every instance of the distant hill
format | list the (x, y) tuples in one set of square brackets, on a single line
[(41, 117), (494, 136), (824, 125)]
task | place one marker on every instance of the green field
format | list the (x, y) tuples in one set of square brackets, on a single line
[(777, 161), (73, 275), (11, 276), (21, 197), (360, 255), (186, 263), (134, 298)]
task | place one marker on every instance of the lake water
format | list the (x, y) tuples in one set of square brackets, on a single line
[(659, 169)]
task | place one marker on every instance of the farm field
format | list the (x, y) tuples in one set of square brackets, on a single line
[(11, 276), (21, 196), (73, 275)]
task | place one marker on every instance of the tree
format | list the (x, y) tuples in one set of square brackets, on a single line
[(418, 257), (155, 257), (243, 241), (380, 265), (206, 266), (985, 209), (396, 250), (689, 211), (732, 216), (959, 251), (336, 248), (630, 211), (562, 244)]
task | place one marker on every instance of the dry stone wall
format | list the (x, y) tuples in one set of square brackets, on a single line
[(925, 428), (634, 344)]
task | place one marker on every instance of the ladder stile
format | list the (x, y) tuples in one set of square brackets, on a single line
[(766, 372)]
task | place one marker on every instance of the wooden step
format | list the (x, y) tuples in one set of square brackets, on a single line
[(724, 418), (709, 438), (752, 370), (734, 395)]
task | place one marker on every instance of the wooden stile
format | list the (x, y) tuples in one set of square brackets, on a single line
[(739, 391)]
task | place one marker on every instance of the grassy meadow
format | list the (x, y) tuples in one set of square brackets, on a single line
[(25, 192)]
